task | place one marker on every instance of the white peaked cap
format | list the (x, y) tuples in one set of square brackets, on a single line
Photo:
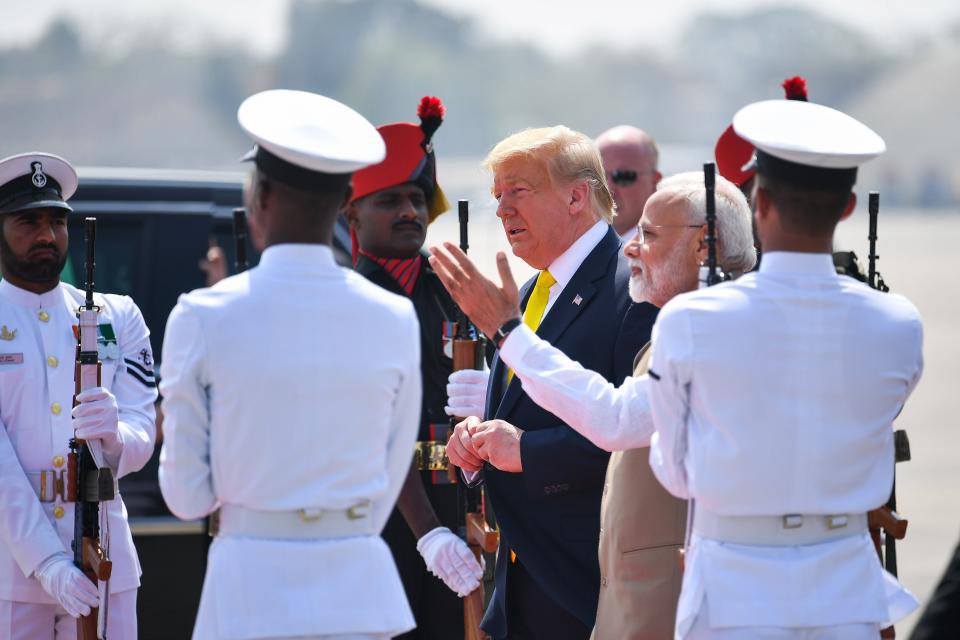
[(311, 131), (808, 134), (36, 180)]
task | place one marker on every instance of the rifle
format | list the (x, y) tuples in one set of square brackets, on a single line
[(885, 519), (468, 349), (240, 238), (710, 273), (88, 485)]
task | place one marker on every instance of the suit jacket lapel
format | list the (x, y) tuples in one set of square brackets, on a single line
[(496, 394), (564, 310)]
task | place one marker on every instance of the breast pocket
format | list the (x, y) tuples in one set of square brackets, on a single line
[(16, 392)]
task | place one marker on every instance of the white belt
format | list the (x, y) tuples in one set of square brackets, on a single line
[(778, 531), (50, 484), (241, 522)]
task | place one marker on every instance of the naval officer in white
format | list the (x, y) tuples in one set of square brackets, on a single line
[(773, 398), (41, 591), (292, 399)]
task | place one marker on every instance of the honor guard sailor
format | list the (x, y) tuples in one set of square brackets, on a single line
[(291, 396), (391, 206), (40, 588), (773, 397)]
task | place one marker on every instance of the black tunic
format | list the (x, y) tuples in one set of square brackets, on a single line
[(437, 609)]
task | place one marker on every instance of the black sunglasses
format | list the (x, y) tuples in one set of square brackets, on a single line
[(623, 177)]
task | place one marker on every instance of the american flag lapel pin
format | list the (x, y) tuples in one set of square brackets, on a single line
[(577, 300)]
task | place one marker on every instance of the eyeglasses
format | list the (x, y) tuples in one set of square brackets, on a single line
[(643, 230), (626, 177)]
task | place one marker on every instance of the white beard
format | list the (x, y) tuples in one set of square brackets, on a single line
[(662, 283)]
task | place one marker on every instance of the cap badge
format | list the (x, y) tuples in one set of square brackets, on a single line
[(39, 178)]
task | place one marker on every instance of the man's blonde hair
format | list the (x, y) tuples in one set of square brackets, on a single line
[(567, 155)]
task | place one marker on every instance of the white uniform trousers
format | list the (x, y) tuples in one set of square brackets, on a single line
[(701, 631), (34, 621)]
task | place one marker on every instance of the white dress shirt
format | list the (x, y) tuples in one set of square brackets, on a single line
[(294, 385), (37, 354), (565, 266), (776, 394)]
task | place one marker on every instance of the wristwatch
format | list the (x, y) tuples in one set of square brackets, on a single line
[(505, 330)]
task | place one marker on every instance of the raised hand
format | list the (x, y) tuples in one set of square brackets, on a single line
[(487, 304)]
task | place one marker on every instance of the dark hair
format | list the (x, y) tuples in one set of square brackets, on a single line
[(805, 210), (305, 204)]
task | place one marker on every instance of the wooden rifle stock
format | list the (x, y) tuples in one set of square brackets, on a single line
[(468, 354), (481, 539)]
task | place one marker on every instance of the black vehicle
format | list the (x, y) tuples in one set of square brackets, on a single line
[(154, 227)]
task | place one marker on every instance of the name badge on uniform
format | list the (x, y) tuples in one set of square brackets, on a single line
[(107, 347), (11, 358)]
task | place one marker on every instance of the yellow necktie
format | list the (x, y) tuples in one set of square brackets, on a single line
[(536, 305)]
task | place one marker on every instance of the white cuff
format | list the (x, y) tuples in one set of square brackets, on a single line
[(516, 345)]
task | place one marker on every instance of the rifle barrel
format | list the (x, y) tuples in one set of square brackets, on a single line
[(240, 237), (873, 208), (90, 239), (709, 181), (463, 209)]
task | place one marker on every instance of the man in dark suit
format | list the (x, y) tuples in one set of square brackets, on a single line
[(543, 479)]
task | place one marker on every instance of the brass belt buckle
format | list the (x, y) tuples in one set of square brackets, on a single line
[(359, 510), (58, 480), (792, 521), (310, 515), (431, 455)]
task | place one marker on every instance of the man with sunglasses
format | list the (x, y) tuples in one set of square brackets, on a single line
[(642, 526), (630, 159)]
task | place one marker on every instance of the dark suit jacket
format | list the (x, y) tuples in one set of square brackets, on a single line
[(550, 513)]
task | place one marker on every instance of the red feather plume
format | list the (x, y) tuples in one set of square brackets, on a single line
[(431, 112), (431, 107), (795, 88)]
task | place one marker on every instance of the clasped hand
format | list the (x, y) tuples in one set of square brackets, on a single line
[(474, 442)]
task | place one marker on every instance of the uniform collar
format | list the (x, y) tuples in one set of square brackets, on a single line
[(30, 299), (563, 268), (789, 262), (303, 257)]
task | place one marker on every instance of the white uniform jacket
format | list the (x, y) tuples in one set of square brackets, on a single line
[(37, 354), (295, 385), (773, 395)]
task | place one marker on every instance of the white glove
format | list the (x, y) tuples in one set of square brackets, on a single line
[(450, 559), (97, 417), (67, 585), (467, 393)]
